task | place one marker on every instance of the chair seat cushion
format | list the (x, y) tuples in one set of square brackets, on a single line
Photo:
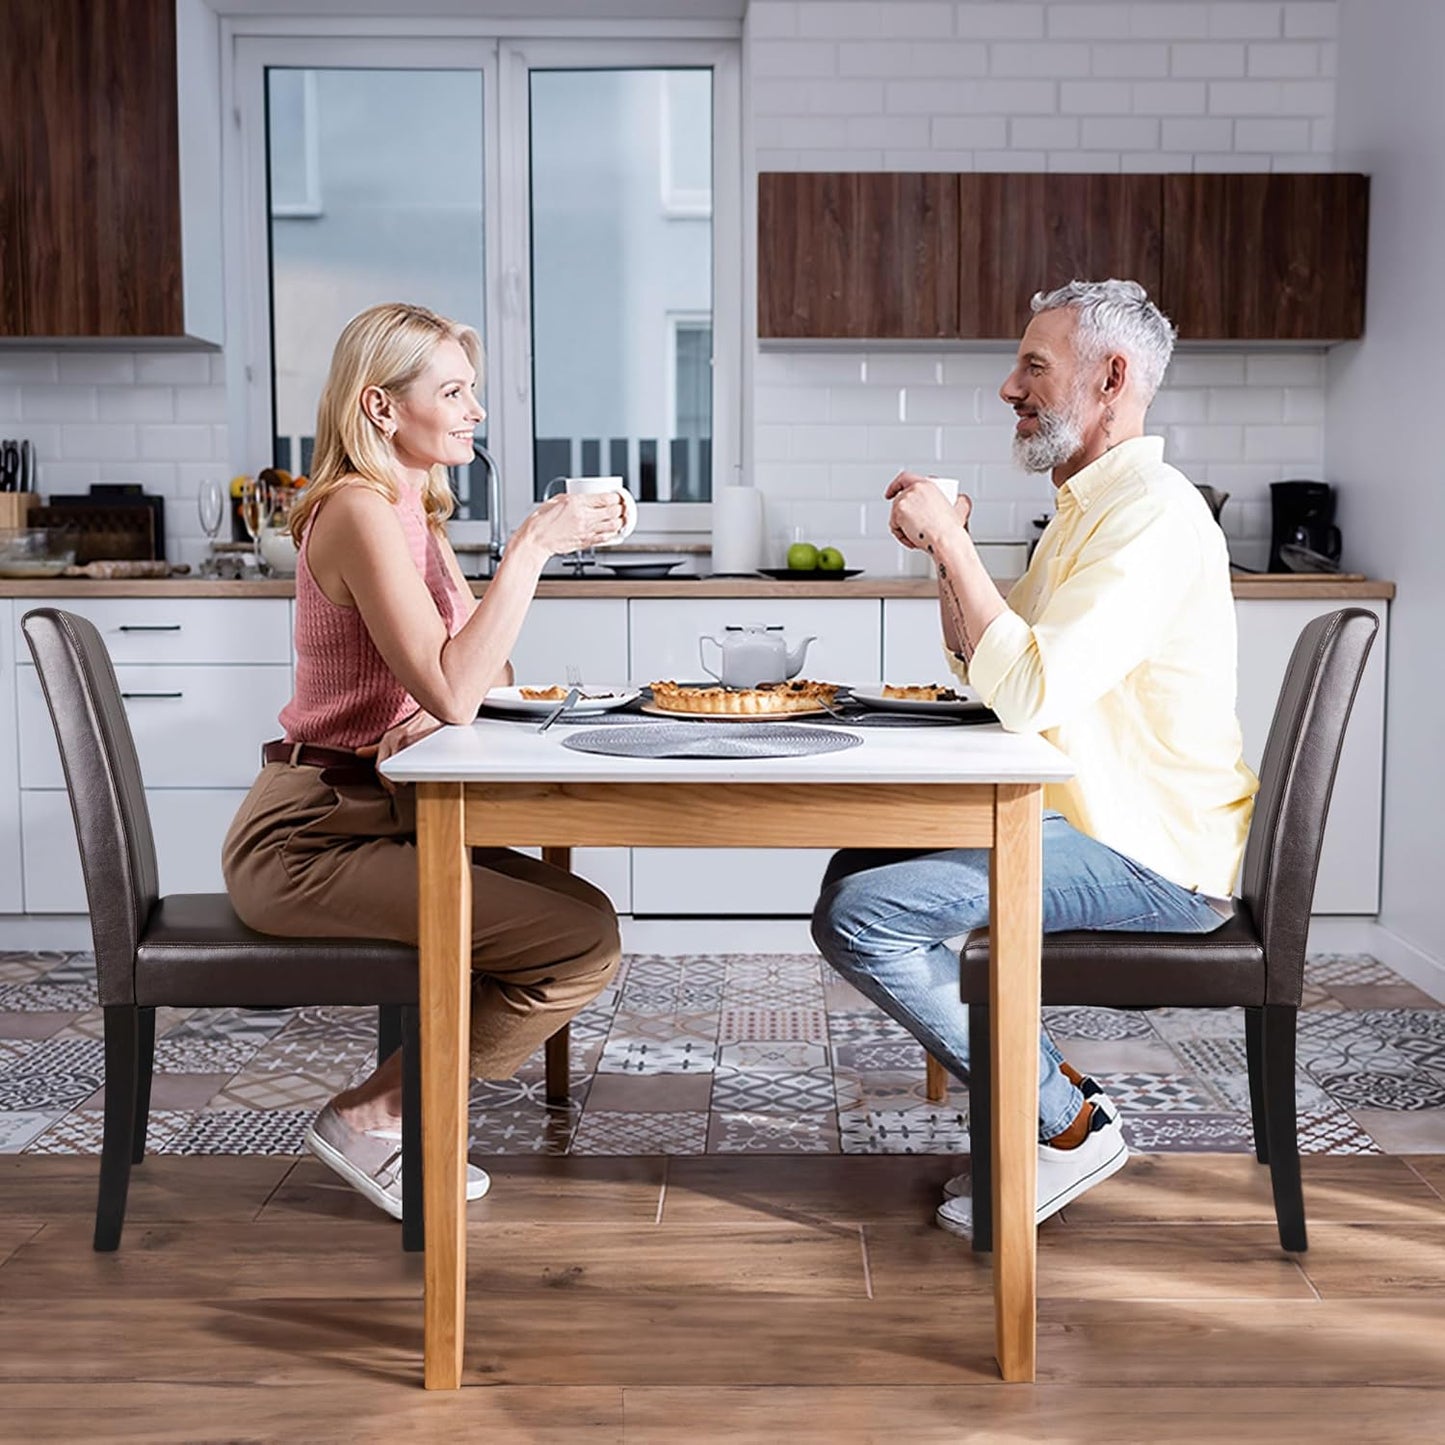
[(195, 952), (1139, 970)]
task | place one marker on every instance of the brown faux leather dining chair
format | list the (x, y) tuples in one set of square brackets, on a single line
[(186, 950), (1254, 961)]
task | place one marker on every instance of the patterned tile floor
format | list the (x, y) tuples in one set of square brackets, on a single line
[(731, 1053)]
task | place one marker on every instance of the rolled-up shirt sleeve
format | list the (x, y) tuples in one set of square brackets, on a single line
[(1119, 599)]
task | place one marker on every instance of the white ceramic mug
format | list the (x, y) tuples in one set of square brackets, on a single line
[(948, 486), (590, 486)]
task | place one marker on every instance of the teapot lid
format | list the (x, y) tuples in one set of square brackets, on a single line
[(753, 627)]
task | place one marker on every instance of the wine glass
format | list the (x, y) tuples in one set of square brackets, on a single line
[(211, 505), (256, 506)]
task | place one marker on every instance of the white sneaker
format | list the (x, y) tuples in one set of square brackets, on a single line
[(370, 1160), (1090, 1088), (1063, 1174)]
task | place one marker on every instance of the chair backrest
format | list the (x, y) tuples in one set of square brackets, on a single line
[(1295, 781), (107, 797)]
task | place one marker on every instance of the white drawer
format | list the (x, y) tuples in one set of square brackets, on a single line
[(189, 828), (194, 727), (181, 629), (913, 642), (726, 882), (587, 632), (665, 634)]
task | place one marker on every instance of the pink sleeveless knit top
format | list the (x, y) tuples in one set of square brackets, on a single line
[(346, 696)]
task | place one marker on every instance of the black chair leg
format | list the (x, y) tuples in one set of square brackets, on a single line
[(413, 1220), (1254, 1052), (1278, 1049), (122, 1058), (980, 1126), (145, 1066), (388, 1031)]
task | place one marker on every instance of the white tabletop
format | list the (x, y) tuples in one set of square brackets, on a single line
[(492, 751)]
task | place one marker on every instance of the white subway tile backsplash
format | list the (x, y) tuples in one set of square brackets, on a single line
[(1157, 162), (62, 476), (178, 443), (1011, 160), (1090, 22), (969, 132), (1285, 368), (957, 58), (1214, 368), (801, 132), (925, 19), (115, 367), (1044, 132), (1179, 404), (1322, 134), (1311, 21), (851, 97), (1162, 21), (778, 97), (983, 97), (930, 160), (790, 479), (173, 368), (1125, 133), (942, 404), (1271, 97), (1213, 134), (1226, 161), (1304, 405), (198, 403), (995, 21), (772, 19), (876, 57), (1135, 61), (1272, 135), (48, 401), (900, 368), (1170, 97), (1283, 60), (138, 403), (1250, 20), (1095, 97), (1296, 444), (833, 19), (80, 442), (771, 442), (909, 132), (792, 58), (28, 366), (1206, 62), (903, 447), (1085, 162), (1035, 58), (9, 405), (983, 369), (989, 443), (1193, 443), (828, 443)]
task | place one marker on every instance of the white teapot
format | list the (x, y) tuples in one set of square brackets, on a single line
[(753, 654)]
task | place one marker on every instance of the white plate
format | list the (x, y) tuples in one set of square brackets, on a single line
[(595, 698), (873, 697)]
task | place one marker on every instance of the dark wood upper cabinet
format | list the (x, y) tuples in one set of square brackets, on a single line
[(858, 255), (90, 189), (1266, 257), (1228, 257), (1025, 233)]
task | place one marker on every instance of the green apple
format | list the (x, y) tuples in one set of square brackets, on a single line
[(802, 557), (830, 559)]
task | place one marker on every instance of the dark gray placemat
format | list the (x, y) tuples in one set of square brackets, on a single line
[(713, 740)]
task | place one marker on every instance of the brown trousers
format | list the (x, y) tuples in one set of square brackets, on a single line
[(304, 858)]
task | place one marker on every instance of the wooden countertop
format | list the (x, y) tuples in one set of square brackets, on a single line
[(1272, 588)]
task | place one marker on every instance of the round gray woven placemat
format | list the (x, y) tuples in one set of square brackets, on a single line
[(712, 740)]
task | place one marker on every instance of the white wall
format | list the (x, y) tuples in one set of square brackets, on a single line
[(1383, 432), (1018, 86)]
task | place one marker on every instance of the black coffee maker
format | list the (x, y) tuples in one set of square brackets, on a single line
[(1303, 518)]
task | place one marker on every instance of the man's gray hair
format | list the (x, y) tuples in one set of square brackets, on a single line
[(1117, 316)]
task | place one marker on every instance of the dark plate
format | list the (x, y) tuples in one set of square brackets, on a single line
[(790, 574)]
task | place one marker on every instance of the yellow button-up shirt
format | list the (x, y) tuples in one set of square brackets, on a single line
[(1118, 645)]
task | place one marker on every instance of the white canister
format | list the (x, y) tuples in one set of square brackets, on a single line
[(737, 529)]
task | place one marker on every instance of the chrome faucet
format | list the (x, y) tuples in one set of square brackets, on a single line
[(496, 528)]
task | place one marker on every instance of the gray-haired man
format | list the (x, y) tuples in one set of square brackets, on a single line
[(1118, 645)]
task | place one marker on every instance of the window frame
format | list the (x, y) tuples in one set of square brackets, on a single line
[(505, 60)]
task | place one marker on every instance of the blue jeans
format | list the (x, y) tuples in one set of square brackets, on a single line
[(883, 915)]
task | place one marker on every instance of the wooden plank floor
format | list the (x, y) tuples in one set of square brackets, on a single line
[(715, 1298)]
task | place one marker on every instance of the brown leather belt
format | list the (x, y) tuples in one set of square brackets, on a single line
[(337, 764)]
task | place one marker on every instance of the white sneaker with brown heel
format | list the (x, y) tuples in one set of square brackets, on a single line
[(1063, 1174)]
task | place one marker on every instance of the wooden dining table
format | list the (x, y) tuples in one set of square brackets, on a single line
[(501, 783)]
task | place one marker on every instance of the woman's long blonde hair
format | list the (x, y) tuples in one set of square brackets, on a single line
[(387, 346)]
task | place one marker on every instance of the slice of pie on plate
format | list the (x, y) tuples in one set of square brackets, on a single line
[(924, 692)]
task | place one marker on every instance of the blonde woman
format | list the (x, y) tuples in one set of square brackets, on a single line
[(390, 644)]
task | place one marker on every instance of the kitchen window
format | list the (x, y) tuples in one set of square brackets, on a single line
[(579, 202)]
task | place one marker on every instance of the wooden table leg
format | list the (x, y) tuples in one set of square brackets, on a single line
[(1015, 933), (446, 970), (558, 1047), (935, 1080)]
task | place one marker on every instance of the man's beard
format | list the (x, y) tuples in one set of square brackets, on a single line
[(1059, 437)]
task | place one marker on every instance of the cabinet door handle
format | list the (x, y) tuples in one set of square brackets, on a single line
[(152, 694), (149, 627)]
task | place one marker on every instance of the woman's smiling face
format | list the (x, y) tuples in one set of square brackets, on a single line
[(438, 414)]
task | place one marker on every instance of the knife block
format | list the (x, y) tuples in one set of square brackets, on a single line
[(14, 507)]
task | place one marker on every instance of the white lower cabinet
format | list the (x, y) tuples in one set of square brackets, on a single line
[(723, 882), (1349, 876), (189, 826), (913, 642)]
